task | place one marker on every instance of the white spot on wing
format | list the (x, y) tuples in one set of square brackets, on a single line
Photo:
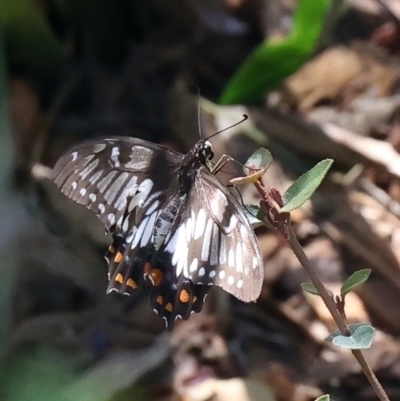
[(82, 192), (189, 229), (231, 280), (111, 218), (84, 173), (232, 224), (114, 156), (140, 158), (74, 185), (202, 272), (194, 265), (214, 246), (88, 159), (94, 178), (239, 284), (92, 197), (172, 243), (239, 260), (101, 208), (106, 181), (212, 274), (205, 249), (112, 191), (141, 195), (231, 258), (222, 249), (200, 224), (221, 274), (125, 225), (74, 156), (129, 190), (180, 246), (255, 262), (148, 230), (139, 233), (218, 205), (243, 232)]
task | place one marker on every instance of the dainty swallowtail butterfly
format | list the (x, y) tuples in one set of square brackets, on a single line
[(176, 228)]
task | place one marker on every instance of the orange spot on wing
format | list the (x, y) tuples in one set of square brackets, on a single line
[(119, 278), (118, 257), (169, 307), (155, 276), (147, 268), (131, 283), (184, 296), (160, 300)]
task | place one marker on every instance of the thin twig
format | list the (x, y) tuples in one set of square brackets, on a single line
[(330, 304)]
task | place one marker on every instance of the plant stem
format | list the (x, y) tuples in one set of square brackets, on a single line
[(373, 380), (330, 304)]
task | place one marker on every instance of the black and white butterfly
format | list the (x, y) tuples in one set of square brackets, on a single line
[(176, 228)]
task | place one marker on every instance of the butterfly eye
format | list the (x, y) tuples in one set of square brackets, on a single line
[(172, 237), (208, 151)]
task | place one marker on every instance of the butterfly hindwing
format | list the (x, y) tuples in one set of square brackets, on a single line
[(214, 242)]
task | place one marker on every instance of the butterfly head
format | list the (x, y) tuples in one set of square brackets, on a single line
[(204, 151)]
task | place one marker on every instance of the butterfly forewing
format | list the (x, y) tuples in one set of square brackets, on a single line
[(110, 175)]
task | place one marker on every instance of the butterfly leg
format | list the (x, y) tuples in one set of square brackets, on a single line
[(221, 163)]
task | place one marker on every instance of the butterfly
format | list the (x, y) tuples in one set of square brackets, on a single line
[(176, 228)]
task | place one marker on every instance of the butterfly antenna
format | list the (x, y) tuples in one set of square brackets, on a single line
[(198, 107), (245, 117)]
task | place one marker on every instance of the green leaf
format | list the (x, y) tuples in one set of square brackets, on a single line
[(354, 280), (29, 39), (272, 62), (304, 187), (259, 161), (310, 288), (253, 213), (324, 397), (362, 336)]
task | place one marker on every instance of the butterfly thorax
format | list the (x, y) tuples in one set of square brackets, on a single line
[(200, 155)]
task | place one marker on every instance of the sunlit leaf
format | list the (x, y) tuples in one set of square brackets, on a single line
[(355, 280), (304, 187), (259, 161), (362, 336), (310, 288), (272, 62), (324, 397)]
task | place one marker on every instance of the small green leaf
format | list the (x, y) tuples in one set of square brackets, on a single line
[(304, 187), (354, 280), (324, 397), (362, 336), (310, 288), (254, 213), (260, 159), (255, 167)]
